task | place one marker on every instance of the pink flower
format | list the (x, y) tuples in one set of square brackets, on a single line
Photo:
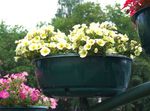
[(35, 95), (44, 98), (53, 103), (24, 90), (4, 94), (3, 81), (20, 76), (23, 94)]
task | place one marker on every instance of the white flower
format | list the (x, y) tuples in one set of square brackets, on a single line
[(45, 51)]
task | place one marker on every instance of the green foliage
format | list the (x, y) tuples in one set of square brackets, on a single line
[(122, 21), (82, 13), (8, 36), (66, 7)]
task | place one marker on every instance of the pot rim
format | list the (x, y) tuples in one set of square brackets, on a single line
[(77, 55), (133, 18), (23, 107)]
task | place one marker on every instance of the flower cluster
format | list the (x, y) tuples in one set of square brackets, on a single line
[(135, 5), (14, 92), (96, 38), (102, 39), (43, 42)]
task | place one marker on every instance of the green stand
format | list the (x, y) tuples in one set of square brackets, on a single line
[(130, 95)]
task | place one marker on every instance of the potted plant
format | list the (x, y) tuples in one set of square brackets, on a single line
[(140, 13), (92, 60), (15, 95)]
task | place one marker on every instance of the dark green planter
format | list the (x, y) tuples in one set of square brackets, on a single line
[(142, 21), (70, 75), (33, 108)]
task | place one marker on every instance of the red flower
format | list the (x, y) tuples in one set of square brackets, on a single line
[(134, 5)]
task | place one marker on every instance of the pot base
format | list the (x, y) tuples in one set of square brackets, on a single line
[(70, 75), (82, 92)]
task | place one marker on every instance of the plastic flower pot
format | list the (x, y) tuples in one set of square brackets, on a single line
[(31, 108), (142, 20), (70, 75)]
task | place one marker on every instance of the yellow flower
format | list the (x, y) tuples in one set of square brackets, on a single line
[(33, 47), (99, 32), (83, 53), (139, 49), (124, 38), (60, 46), (50, 28), (137, 53), (100, 42), (91, 42), (84, 26), (132, 56), (29, 36), (74, 46), (39, 45), (25, 42), (16, 58), (76, 26), (85, 38), (87, 46), (109, 39), (111, 51), (96, 50), (121, 48), (43, 35), (52, 45), (45, 51), (94, 26), (68, 46), (36, 39)]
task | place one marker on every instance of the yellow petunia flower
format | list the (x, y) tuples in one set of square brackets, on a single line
[(45, 51), (100, 42), (83, 53)]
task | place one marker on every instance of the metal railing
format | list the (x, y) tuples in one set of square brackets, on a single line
[(130, 95)]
